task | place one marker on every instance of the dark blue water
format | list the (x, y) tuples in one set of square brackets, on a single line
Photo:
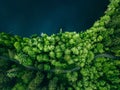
[(26, 17)]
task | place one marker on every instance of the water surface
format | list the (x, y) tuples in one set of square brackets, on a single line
[(26, 17)]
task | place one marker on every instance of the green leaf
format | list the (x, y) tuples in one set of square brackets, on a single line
[(52, 54), (17, 45), (59, 55), (46, 67)]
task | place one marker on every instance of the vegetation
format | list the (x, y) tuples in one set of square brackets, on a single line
[(87, 60)]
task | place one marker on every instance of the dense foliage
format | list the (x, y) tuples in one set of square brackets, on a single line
[(87, 60)]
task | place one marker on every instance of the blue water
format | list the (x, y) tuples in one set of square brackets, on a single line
[(26, 17)]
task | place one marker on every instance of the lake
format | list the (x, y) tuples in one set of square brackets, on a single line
[(27, 17)]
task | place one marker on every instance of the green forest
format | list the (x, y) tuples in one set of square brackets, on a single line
[(88, 60)]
